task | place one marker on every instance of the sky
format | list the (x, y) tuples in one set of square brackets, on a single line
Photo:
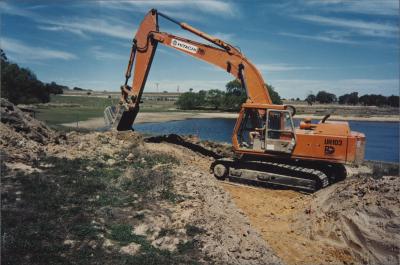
[(299, 46)]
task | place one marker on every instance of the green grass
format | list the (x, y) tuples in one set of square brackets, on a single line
[(85, 107), (63, 200), (148, 253), (123, 234), (81, 108)]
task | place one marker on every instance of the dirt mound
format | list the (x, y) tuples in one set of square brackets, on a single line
[(23, 138), (227, 237), (24, 124), (360, 215), (112, 198)]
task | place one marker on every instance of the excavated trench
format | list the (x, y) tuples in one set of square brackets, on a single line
[(354, 221)]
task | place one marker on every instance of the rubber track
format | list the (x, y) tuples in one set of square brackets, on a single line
[(320, 179)]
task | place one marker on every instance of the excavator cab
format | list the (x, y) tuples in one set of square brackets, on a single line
[(280, 136), (266, 130)]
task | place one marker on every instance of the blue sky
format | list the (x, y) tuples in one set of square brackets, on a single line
[(300, 46)]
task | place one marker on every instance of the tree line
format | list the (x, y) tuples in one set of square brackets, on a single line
[(324, 97), (229, 100), (21, 86)]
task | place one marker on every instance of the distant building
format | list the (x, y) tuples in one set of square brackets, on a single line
[(154, 96)]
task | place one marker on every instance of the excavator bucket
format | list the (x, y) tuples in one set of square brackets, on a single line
[(122, 116), (119, 117)]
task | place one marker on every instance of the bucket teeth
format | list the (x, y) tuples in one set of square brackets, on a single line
[(112, 115), (120, 117)]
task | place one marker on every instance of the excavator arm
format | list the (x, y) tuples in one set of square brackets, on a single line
[(143, 49)]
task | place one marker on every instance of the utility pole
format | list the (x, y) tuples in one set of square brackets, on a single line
[(157, 86)]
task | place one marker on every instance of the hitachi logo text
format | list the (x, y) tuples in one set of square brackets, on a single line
[(184, 46)]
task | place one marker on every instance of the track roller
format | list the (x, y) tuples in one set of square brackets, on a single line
[(294, 175)]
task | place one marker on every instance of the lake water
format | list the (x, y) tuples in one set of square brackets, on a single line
[(382, 137)]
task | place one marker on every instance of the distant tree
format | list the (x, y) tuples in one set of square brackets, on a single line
[(380, 100), (235, 95), (311, 98), (393, 101), (325, 97), (276, 99), (201, 98), (191, 100), (235, 87), (78, 89), (54, 88), (232, 99), (366, 100), (186, 101), (215, 98), (343, 99), (373, 100), (20, 85), (3, 55), (165, 91), (351, 99)]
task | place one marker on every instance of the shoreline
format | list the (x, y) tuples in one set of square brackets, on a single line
[(150, 117)]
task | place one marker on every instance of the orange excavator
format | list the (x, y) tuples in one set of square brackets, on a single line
[(269, 148)]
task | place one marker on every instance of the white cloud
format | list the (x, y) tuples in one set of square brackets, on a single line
[(325, 37), (361, 27), (93, 25), (183, 16), (11, 10), (111, 27), (371, 7), (281, 67), (63, 28), (216, 7), (100, 54), (16, 49)]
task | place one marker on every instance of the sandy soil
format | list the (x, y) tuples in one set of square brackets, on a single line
[(274, 213), (351, 222), (144, 117), (356, 221)]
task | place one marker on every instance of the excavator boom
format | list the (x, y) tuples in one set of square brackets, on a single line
[(144, 45)]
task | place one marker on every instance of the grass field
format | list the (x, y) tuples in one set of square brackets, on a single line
[(82, 107), (65, 109)]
